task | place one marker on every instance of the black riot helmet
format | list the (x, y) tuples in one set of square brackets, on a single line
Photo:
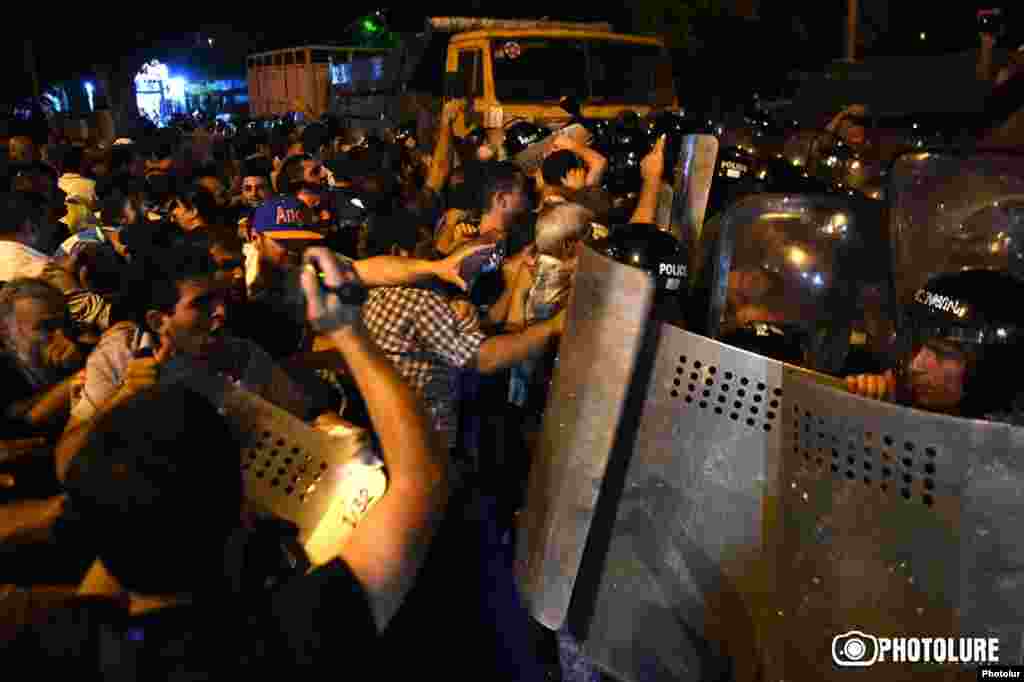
[(776, 340), (645, 246), (961, 337), (627, 149), (521, 143)]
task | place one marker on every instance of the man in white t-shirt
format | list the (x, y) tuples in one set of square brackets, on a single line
[(22, 234), (77, 187), (184, 330)]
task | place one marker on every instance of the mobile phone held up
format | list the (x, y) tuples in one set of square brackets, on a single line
[(350, 292), (486, 260)]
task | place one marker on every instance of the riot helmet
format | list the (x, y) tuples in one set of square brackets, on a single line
[(779, 341), (960, 341), (736, 175), (628, 148), (659, 253), (522, 143)]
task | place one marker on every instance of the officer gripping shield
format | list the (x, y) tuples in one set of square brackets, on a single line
[(733, 517)]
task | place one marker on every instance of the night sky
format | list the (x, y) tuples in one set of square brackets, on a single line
[(786, 36)]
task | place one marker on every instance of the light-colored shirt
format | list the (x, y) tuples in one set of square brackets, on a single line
[(18, 260), (74, 185), (93, 235), (251, 369)]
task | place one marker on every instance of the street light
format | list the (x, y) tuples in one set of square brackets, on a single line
[(210, 40)]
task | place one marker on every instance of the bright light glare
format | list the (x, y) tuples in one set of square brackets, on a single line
[(797, 255), (176, 87)]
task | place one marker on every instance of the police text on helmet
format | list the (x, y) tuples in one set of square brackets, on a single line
[(672, 270), (939, 302)]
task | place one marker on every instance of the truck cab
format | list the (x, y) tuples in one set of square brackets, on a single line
[(519, 69), (524, 68)]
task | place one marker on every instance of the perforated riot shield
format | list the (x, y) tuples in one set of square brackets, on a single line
[(324, 484), (951, 212), (749, 516)]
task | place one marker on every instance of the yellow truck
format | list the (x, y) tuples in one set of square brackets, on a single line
[(507, 69)]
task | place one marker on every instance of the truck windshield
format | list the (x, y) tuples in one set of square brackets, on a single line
[(546, 69)]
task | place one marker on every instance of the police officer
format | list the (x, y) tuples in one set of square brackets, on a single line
[(960, 343)]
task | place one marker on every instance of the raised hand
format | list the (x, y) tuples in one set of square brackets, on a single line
[(324, 308), (447, 269), (143, 373), (653, 165), (876, 386)]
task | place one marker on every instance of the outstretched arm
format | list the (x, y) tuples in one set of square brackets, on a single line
[(388, 547)]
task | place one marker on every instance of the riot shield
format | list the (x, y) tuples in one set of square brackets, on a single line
[(606, 327), (691, 188), (323, 483), (806, 276), (950, 212), (750, 517)]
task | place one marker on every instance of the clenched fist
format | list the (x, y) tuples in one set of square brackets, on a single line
[(877, 386)]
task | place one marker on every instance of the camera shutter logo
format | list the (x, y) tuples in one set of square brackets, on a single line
[(854, 649)]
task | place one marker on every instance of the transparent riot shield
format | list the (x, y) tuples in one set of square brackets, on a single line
[(749, 518), (950, 212), (802, 279), (691, 189)]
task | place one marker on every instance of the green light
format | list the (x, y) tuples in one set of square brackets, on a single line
[(370, 26)]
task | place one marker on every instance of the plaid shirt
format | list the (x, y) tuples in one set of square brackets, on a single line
[(427, 343)]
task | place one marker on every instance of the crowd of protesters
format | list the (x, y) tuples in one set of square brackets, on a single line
[(130, 268)]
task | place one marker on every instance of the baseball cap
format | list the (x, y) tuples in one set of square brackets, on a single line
[(285, 218)]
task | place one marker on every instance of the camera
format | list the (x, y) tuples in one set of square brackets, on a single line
[(350, 292), (854, 649)]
